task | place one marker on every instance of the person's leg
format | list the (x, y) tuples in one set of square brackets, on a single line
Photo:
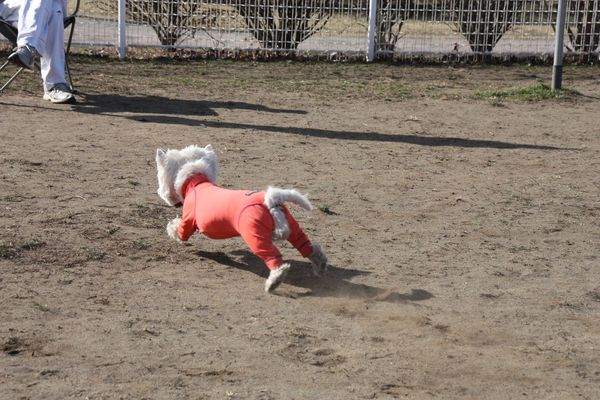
[(41, 31), (52, 61), (9, 11), (33, 23)]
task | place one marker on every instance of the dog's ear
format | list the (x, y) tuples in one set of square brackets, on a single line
[(160, 157), (209, 147)]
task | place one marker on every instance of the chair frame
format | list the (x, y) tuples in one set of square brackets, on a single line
[(11, 33)]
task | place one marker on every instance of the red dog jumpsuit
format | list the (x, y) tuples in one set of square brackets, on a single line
[(222, 213)]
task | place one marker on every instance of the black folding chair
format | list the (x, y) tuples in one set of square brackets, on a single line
[(10, 33)]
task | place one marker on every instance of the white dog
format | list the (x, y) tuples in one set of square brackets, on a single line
[(188, 177)]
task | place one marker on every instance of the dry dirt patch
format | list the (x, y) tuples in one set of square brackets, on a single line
[(462, 232)]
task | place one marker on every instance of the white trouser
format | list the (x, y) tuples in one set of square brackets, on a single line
[(40, 24)]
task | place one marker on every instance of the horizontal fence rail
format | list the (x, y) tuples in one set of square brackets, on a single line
[(399, 28)]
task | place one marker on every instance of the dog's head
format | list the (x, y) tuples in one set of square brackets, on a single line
[(175, 167)]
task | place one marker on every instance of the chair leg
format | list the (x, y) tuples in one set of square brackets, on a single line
[(12, 78), (68, 49), (69, 75), (4, 65)]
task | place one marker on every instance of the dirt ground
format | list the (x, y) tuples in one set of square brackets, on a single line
[(462, 231)]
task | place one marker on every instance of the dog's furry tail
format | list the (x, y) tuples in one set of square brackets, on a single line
[(274, 198)]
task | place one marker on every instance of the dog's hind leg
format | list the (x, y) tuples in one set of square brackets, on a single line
[(302, 243), (318, 260), (256, 228)]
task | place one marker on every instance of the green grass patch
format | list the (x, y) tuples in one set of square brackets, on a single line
[(538, 92), (8, 251), (33, 244), (93, 254), (141, 245), (12, 250)]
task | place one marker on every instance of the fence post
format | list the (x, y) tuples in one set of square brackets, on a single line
[(372, 30), (122, 32), (558, 45)]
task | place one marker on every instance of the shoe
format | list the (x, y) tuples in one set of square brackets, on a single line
[(60, 93), (276, 277), (318, 260), (24, 56)]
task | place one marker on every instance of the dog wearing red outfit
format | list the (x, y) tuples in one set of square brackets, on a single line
[(188, 177)]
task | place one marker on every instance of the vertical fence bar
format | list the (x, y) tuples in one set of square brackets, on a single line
[(122, 31), (559, 44), (372, 30)]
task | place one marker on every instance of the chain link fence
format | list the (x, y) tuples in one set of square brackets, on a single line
[(403, 28)]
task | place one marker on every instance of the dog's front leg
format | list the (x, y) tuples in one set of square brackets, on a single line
[(172, 227)]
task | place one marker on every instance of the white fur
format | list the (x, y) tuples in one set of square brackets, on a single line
[(318, 260), (274, 198), (276, 277), (172, 227), (174, 167), (282, 228), (190, 169)]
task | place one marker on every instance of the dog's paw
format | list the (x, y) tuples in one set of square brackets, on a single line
[(276, 277), (318, 260), (172, 227)]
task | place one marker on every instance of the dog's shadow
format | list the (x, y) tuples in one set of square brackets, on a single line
[(335, 284)]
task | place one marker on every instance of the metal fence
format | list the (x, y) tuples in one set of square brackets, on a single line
[(403, 28)]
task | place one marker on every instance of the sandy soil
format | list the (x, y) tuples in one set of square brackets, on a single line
[(462, 232)]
